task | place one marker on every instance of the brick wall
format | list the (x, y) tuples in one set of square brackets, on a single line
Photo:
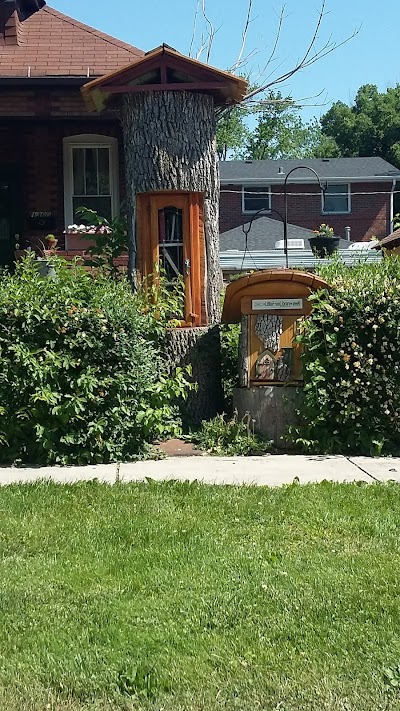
[(33, 125), (50, 103), (370, 214)]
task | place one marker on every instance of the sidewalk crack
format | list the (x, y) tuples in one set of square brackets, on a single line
[(371, 476)]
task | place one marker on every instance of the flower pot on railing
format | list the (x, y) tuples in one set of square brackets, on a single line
[(322, 246), (77, 241)]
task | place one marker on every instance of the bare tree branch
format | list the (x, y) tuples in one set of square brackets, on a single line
[(244, 35), (275, 46), (294, 103), (194, 32), (207, 35), (306, 62), (210, 30), (266, 80), (203, 45), (245, 60)]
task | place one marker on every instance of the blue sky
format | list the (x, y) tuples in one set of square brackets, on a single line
[(371, 57)]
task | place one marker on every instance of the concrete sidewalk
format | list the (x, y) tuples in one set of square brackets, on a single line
[(270, 470)]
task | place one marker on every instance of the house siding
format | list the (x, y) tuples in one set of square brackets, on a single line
[(369, 216)]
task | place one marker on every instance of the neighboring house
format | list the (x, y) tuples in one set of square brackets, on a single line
[(259, 245), (359, 193), (54, 154)]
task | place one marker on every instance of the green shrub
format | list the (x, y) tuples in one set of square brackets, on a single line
[(229, 361), (352, 362), (230, 437), (81, 375)]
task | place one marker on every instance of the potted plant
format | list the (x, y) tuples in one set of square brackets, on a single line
[(45, 262), (324, 244)]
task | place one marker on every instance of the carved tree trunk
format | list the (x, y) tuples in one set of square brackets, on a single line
[(170, 144), (201, 349)]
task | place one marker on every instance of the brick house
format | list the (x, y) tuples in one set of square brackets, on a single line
[(54, 154), (359, 194)]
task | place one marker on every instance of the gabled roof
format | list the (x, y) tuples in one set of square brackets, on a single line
[(53, 44), (165, 69), (372, 169), (263, 235)]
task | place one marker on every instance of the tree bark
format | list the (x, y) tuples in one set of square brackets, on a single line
[(170, 144), (244, 375), (201, 349)]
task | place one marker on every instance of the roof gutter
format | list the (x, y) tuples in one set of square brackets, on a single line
[(302, 181), (15, 82)]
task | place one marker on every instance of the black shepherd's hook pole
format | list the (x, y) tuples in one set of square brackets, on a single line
[(246, 230), (285, 224)]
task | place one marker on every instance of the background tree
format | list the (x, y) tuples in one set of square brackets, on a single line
[(232, 133), (370, 127), (281, 133)]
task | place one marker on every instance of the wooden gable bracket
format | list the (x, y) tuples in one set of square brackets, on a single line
[(165, 69)]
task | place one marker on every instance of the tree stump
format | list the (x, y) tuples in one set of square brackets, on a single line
[(201, 349)]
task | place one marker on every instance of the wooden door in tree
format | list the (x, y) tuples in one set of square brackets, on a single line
[(171, 235)]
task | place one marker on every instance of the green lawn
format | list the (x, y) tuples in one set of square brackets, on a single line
[(192, 598)]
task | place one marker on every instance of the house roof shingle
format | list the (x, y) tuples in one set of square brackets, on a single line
[(53, 44), (369, 169), (264, 233)]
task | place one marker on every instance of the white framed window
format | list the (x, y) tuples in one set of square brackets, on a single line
[(256, 198), (336, 199), (90, 176)]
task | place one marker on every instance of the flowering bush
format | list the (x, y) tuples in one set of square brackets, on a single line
[(88, 230), (324, 231), (352, 362)]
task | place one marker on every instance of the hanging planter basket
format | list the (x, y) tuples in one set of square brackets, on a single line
[(324, 246)]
